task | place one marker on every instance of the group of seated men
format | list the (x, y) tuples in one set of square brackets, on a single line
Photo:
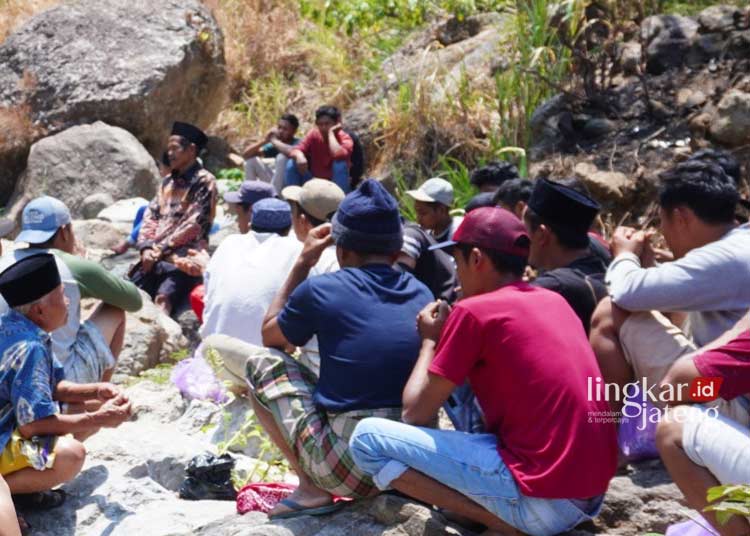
[(348, 329)]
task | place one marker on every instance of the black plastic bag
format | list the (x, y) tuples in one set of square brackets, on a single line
[(209, 478)]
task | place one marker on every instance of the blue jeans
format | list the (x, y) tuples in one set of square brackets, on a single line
[(340, 175), (467, 463), (137, 224)]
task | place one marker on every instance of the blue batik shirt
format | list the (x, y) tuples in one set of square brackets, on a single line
[(28, 374)]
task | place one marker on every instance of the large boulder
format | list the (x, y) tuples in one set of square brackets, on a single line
[(731, 122), (139, 65), (86, 159)]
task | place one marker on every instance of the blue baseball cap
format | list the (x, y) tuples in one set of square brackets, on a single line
[(41, 219), (250, 192), (271, 214)]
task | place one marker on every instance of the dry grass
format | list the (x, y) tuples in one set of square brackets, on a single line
[(13, 13), (279, 62)]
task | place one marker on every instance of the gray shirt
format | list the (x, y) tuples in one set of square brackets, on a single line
[(710, 283)]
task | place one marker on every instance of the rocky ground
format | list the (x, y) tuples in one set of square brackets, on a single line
[(130, 480)]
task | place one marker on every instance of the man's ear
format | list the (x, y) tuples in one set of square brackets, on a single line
[(544, 235), (682, 216)]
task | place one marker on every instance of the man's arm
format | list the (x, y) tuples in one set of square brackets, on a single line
[(687, 284), (96, 282), (426, 392), (340, 150), (66, 391), (283, 148), (256, 149), (317, 240), (111, 414)]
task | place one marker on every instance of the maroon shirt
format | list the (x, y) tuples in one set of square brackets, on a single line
[(319, 155), (731, 362)]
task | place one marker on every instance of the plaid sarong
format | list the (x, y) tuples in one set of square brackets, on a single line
[(318, 438)]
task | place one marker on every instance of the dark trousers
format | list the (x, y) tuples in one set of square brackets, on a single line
[(165, 279)]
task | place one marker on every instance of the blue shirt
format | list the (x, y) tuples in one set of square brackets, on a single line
[(365, 321), (28, 374)]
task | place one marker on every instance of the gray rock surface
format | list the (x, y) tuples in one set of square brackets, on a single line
[(94, 204), (84, 159), (731, 122), (131, 476), (138, 65), (151, 338), (98, 234)]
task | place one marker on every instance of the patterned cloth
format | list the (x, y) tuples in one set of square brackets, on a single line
[(180, 216), (28, 376), (319, 439)]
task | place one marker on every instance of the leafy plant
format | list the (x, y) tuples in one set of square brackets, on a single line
[(729, 500)]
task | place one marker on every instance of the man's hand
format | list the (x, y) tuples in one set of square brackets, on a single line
[(430, 320), (318, 239), (301, 162), (107, 391), (149, 257), (273, 133), (113, 412), (334, 129), (628, 240), (194, 264)]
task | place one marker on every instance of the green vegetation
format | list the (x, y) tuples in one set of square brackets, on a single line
[(728, 501)]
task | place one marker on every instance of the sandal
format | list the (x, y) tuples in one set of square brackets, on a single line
[(43, 500)]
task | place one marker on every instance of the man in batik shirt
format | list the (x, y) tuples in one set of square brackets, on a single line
[(37, 453), (177, 220)]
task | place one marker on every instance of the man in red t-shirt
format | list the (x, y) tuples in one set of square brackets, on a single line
[(545, 463), (700, 448), (324, 153)]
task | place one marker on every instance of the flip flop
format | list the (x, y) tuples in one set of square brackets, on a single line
[(299, 510)]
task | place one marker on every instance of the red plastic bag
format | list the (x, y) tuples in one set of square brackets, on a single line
[(262, 496)]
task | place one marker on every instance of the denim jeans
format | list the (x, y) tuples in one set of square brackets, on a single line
[(467, 463), (340, 175)]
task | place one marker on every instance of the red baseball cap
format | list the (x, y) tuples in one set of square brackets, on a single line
[(491, 228)]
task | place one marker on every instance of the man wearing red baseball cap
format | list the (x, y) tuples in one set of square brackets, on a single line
[(544, 464)]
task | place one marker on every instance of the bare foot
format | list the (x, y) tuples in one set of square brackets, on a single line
[(162, 302), (307, 496)]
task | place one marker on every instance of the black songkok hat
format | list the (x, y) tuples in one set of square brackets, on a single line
[(191, 133), (29, 279), (562, 205)]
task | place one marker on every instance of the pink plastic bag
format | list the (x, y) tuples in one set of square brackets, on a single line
[(196, 380), (690, 528)]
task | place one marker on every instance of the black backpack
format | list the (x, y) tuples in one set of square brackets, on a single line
[(357, 170)]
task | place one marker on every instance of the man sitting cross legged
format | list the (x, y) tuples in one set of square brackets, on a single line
[(543, 465), (363, 316), (632, 339), (701, 450), (36, 453)]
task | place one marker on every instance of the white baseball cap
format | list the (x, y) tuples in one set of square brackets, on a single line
[(434, 190)]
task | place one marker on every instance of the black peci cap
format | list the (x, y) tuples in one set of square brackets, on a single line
[(191, 133), (29, 279), (562, 205)]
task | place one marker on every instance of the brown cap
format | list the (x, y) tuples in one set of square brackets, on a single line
[(318, 197)]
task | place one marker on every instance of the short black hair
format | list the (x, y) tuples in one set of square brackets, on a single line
[(502, 262), (328, 111), (723, 159), (703, 187), (568, 236), (495, 172), (291, 119), (513, 191)]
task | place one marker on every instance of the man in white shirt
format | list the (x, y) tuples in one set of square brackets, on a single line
[(632, 339), (243, 278)]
